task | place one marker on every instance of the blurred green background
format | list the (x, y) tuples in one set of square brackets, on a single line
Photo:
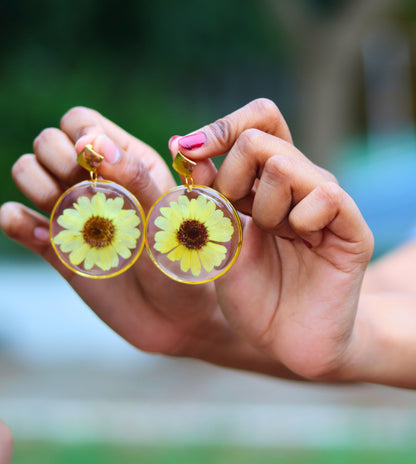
[(341, 71), (166, 67)]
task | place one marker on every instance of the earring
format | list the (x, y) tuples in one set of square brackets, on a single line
[(193, 233), (97, 226)]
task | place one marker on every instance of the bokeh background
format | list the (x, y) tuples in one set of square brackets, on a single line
[(343, 74)]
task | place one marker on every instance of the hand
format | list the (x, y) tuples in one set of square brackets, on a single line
[(293, 292), (144, 306), (6, 444)]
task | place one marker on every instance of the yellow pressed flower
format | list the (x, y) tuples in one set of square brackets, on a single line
[(190, 232), (98, 231)]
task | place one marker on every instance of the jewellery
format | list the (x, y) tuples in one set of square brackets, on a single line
[(97, 226), (193, 233)]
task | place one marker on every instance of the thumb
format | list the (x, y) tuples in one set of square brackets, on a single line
[(124, 168)]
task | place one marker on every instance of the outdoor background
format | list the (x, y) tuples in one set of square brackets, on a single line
[(343, 75)]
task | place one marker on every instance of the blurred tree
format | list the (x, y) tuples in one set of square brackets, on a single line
[(327, 38)]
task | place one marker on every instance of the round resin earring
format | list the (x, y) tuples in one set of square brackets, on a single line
[(97, 226), (193, 233)]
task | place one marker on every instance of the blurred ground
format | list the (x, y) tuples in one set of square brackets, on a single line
[(66, 377)]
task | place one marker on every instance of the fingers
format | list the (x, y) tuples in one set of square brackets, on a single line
[(28, 228), (128, 160), (232, 133), (43, 176), (56, 153), (127, 170), (204, 172), (328, 206), (238, 175), (217, 138), (34, 181), (284, 182), (285, 193), (6, 444), (79, 122)]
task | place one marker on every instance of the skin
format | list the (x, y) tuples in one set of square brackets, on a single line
[(286, 308), (6, 444)]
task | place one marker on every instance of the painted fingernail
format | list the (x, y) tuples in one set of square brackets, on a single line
[(192, 141), (106, 147), (41, 234), (174, 137), (309, 245)]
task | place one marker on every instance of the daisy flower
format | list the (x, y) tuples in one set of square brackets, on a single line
[(190, 232), (98, 231)]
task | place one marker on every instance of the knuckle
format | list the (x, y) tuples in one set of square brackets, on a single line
[(75, 113), (222, 131), (44, 137), (21, 165), (249, 140), (266, 107), (328, 175), (273, 166), (140, 179), (278, 166), (10, 219), (331, 192)]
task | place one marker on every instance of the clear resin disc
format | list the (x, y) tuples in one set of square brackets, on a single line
[(97, 229), (193, 236)]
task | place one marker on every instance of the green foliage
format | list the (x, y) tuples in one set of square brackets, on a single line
[(156, 68)]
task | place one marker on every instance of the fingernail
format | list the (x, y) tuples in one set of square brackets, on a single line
[(174, 137), (106, 147), (309, 245), (192, 141), (41, 234)]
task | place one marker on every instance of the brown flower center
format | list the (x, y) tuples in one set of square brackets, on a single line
[(192, 234), (98, 232)]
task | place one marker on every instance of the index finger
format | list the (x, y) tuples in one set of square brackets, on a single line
[(80, 121), (217, 138)]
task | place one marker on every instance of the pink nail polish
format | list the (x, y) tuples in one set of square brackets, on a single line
[(174, 137), (192, 141)]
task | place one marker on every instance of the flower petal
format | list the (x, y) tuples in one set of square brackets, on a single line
[(176, 254), (113, 256), (206, 209), (127, 239), (216, 252), (183, 205), (130, 221), (165, 241), (90, 259), (206, 259), (193, 208), (71, 219), (70, 245), (186, 259), (113, 207), (83, 207), (78, 255), (173, 214), (98, 204), (222, 231), (103, 259), (195, 263), (121, 249)]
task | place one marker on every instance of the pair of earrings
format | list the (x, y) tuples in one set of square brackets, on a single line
[(98, 228)]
